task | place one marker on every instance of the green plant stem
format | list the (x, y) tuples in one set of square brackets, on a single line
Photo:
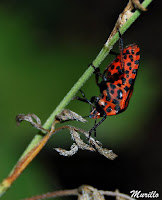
[(100, 57)]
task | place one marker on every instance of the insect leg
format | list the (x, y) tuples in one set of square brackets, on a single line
[(97, 73), (120, 42), (81, 99), (95, 128), (96, 125), (93, 99), (113, 53), (84, 99)]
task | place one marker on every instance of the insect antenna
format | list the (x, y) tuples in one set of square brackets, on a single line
[(86, 116)]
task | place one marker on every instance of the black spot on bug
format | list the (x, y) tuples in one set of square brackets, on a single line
[(128, 64), (115, 101), (113, 78), (126, 72), (107, 90), (105, 104), (112, 67), (112, 91), (131, 81), (138, 53), (120, 71), (117, 108), (123, 80), (127, 76), (120, 94), (131, 60), (109, 109), (115, 75), (119, 84), (112, 86), (136, 62), (103, 86), (108, 97), (130, 56), (127, 52), (130, 68), (117, 60), (134, 71), (132, 51), (118, 67), (125, 56), (100, 109), (126, 88)]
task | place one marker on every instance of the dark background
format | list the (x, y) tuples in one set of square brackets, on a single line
[(45, 46)]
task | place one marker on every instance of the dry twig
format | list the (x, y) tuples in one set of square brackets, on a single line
[(84, 192), (124, 16)]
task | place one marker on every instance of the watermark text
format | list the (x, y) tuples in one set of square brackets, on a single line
[(139, 194)]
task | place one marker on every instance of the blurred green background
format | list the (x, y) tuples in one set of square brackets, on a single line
[(45, 46)]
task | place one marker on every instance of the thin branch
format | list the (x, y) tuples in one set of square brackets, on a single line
[(61, 193), (84, 192), (116, 194)]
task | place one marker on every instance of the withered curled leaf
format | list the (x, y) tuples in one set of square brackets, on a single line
[(67, 115)]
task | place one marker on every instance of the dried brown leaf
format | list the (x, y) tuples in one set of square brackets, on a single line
[(73, 150), (67, 115), (105, 152), (138, 5), (124, 16), (98, 146), (76, 137), (30, 118)]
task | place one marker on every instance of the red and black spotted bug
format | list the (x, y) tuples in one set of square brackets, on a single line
[(117, 83)]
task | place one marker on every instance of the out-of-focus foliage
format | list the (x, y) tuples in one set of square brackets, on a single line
[(44, 48)]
